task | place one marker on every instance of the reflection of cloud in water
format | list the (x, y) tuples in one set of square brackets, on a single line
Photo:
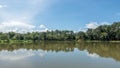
[(93, 55), (20, 54)]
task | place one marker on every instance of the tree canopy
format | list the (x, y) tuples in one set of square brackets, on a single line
[(102, 32)]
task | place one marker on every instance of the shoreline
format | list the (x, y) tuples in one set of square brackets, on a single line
[(31, 41)]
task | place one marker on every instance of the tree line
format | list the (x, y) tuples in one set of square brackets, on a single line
[(102, 32)]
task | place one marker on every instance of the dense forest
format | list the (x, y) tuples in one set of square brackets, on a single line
[(102, 33)]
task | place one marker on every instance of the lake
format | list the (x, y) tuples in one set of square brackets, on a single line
[(60, 55)]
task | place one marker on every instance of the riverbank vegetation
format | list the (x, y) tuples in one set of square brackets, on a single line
[(101, 33)]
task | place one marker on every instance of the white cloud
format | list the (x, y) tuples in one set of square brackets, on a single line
[(20, 54), (3, 6), (18, 16), (20, 27), (15, 26), (43, 28), (92, 25)]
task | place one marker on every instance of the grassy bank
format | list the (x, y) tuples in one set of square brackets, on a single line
[(15, 41), (95, 41), (31, 41)]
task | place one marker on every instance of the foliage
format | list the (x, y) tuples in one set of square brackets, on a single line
[(103, 33)]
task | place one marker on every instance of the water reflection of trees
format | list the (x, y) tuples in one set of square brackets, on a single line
[(47, 46), (107, 50)]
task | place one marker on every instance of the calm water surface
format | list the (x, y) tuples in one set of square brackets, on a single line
[(60, 55)]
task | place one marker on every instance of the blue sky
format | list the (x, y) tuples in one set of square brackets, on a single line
[(41, 15)]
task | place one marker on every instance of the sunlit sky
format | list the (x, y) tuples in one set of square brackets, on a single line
[(42, 15)]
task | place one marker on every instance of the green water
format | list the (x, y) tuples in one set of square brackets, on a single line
[(60, 55)]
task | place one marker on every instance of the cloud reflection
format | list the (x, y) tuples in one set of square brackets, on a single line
[(20, 54), (93, 55)]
